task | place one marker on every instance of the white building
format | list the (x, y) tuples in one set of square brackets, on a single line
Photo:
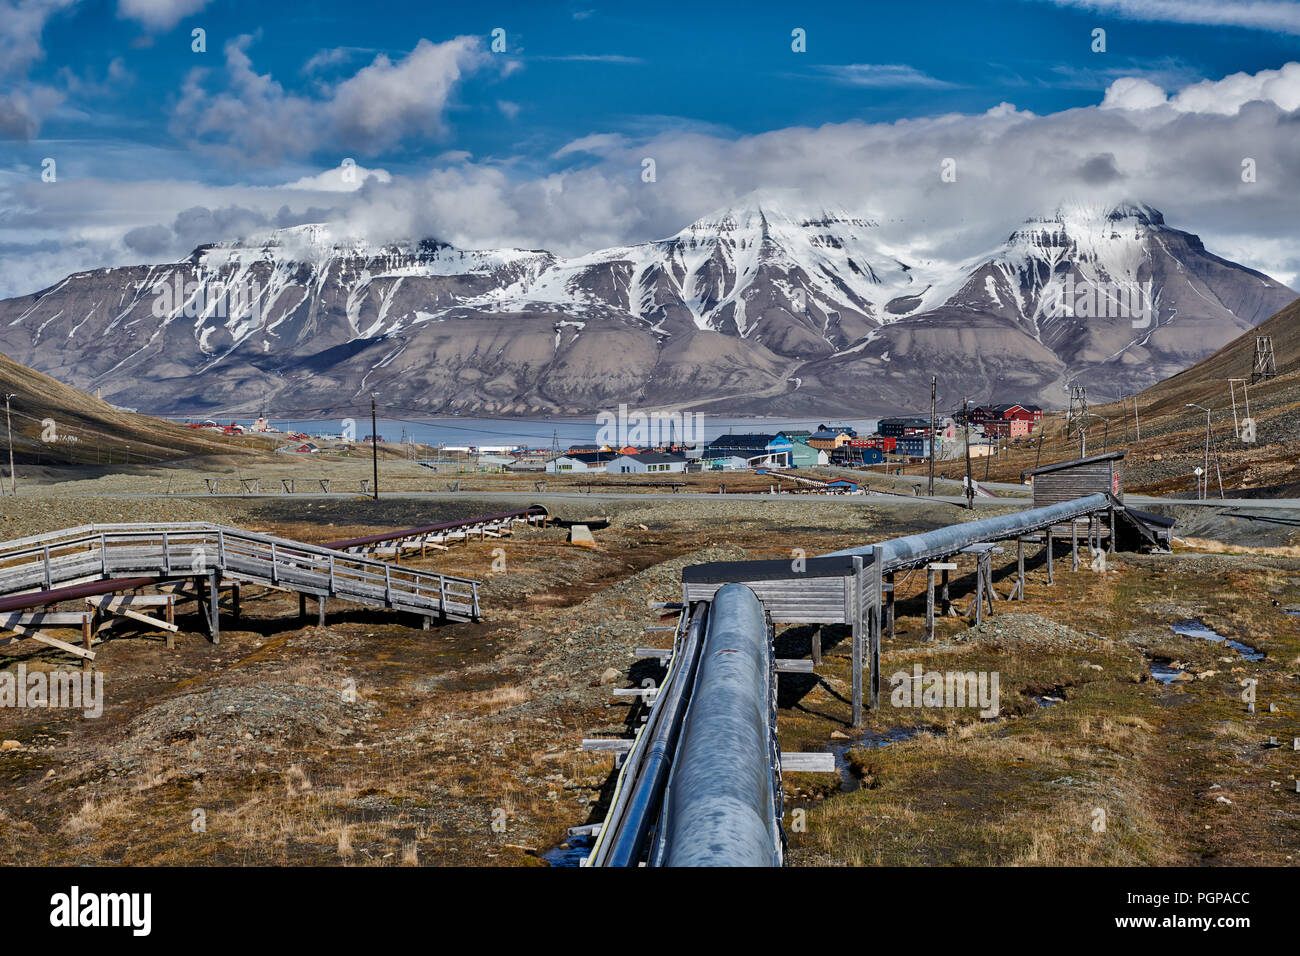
[(579, 462), (645, 464), (721, 463)]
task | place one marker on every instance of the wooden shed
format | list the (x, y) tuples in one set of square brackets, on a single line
[(821, 590), (1066, 480)]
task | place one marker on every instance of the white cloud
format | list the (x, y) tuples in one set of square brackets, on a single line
[(255, 120), (1010, 164), (159, 15), (596, 143), (324, 59), (1229, 94), (344, 178), (592, 58), (24, 104), (1132, 93), (1282, 15), (1226, 96), (21, 24), (887, 75)]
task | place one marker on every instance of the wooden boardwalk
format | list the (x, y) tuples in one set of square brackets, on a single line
[(48, 568)]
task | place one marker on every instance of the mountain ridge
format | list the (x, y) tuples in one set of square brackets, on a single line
[(753, 309)]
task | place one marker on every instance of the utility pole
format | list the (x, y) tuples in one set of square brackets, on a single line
[(934, 382), (965, 424), (1207, 454), (1204, 478), (1232, 393), (374, 445), (9, 431)]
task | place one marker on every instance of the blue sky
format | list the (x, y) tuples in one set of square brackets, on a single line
[(543, 144), (726, 68)]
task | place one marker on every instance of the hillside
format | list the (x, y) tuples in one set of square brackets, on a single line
[(1173, 435), (55, 425)]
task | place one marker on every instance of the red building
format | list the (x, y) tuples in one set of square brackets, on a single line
[(985, 414), (882, 442), (1008, 428)]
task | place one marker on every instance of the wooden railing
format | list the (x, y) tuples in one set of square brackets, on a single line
[(178, 550)]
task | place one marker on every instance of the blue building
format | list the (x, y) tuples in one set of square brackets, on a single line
[(898, 427), (775, 450), (914, 446)]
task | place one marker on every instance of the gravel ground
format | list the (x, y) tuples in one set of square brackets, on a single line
[(258, 718)]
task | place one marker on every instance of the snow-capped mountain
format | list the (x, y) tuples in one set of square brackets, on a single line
[(753, 309)]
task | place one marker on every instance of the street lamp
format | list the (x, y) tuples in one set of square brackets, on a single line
[(9, 433)]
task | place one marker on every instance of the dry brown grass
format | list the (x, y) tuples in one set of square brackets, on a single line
[(92, 816), (499, 698), (1219, 547)]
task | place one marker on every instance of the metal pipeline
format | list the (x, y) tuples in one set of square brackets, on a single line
[(917, 548), (720, 808), (645, 792), (432, 528), (17, 602)]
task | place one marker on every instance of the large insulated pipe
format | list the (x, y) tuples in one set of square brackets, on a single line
[(644, 800), (917, 548), (720, 808)]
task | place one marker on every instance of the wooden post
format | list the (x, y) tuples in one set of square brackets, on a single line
[(1051, 578), (302, 607), (929, 604), (1111, 544), (856, 652), (87, 635), (979, 590), (817, 646), (945, 600), (1020, 569), (169, 615), (989, 590), (214, 623), (320, 611), (889, 605), (1074, 545), (877, 562), (234, 599), (199, 599)]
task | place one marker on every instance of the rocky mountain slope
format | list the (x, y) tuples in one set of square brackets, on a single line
[(752, 310), (54, 424)]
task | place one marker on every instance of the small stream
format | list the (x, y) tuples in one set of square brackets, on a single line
[(1165, 671), (869, 741), (571, 852), (1193, 627)]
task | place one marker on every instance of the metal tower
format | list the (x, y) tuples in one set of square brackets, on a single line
[(1265, 364), (1077, 418)]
